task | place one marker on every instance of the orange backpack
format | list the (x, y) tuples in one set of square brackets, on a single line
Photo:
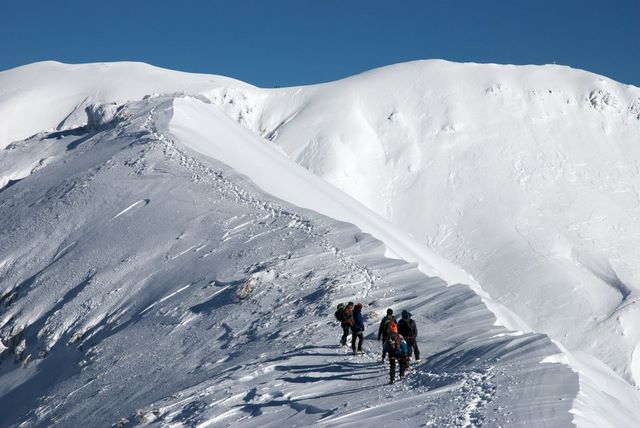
[(348, 315), (393, 327)]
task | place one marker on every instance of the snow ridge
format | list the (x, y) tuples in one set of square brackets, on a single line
[(210, 303), (526, 176)]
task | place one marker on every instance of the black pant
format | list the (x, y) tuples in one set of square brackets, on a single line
[(345, 333), (384, 351), (404, 363), (360, 337), (413, 346)]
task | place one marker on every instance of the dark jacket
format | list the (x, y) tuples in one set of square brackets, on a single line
[(358, 322), (407, 328), (384, 323)]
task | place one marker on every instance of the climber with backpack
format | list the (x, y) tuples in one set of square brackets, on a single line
[(357, 329), (344, 314), (383, 330), (398, 351), (407, 329)]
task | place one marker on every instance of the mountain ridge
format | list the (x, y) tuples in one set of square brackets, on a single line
[(489, 166), (339, 131), (170, 289)]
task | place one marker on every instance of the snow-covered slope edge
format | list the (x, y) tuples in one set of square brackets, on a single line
[(195, 124), (199, 125), (526, 176), (143, 283)]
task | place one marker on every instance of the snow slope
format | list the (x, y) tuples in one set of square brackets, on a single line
[(69, 274), (146, 284), (527, 177), (198, 125)]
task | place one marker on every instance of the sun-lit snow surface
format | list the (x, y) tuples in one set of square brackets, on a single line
[(143, 283), (326, 111), (50, 95), (527, 177)]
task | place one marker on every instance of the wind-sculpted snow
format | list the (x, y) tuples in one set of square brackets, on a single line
[(143, 283)]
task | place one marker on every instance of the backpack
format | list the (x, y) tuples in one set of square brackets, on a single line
[(394, 343), (348, 315), (392, 327), (384, 326), (340, 312), (407, 327), (412, 326)]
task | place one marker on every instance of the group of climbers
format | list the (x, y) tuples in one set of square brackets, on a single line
[(398, 341), (398, 338), (350, 318)]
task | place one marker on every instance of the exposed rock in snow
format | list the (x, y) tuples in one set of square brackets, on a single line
[(600, 99), (634, 109), (100, 114)]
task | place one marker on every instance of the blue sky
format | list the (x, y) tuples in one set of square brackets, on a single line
[(285, 43)]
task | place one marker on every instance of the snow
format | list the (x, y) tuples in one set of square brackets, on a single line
[(51, 95), (205, 128), (600, 381), (527, 177), (190, 235), (120, 306)]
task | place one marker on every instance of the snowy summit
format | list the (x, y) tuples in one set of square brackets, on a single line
[(174, 246)]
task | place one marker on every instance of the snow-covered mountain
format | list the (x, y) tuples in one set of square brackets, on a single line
[(527, 177), (171, 254)]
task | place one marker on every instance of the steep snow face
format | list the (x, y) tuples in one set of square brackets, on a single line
[(143, 283), (527, 177)]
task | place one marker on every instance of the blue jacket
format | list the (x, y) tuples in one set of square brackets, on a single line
[(358, 324)]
